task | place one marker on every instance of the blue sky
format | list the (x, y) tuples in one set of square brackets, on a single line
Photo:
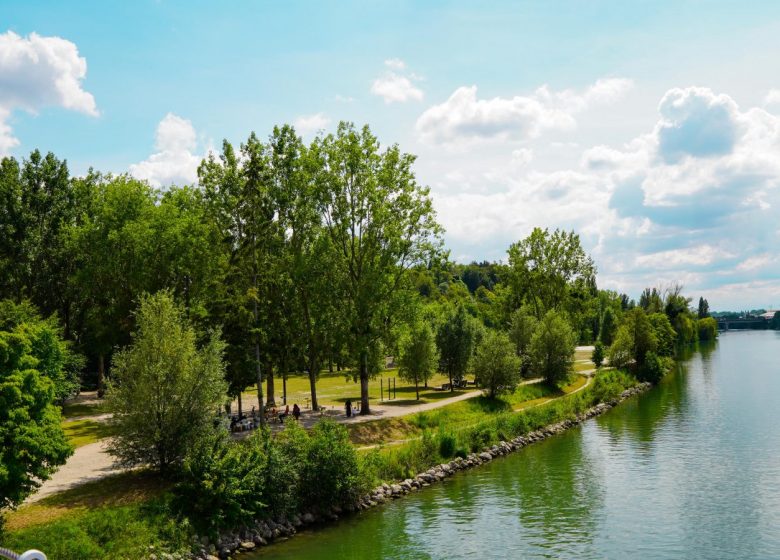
[(652, 128)]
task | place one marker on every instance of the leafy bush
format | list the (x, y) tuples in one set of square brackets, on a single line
[(222, 482), (447, 444), (653, 369)]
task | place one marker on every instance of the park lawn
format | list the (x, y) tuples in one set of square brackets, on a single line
[(333, 389), (86, 431), (456, 415), (116, 490), (78, 409), (583, 366)]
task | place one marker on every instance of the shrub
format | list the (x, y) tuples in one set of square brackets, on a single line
[(708, 328), (598, 354), (447, 444), (329, 472), (653, 369), (222, 482), (480, 437)]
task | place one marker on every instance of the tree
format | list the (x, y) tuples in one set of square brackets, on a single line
[(165, 390), (32, 443), (496, 365), (634, 339), (664, 333), (456, 338), (651, 301), (521, 330), (418, 355), (597, 357), (544, 266), (552, 347), (608, 326), (776, 320), (381, 223), (704, 309), (707, 328)]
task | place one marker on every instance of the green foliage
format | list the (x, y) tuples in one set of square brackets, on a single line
[(165, 390), (597, 357), (664, 333), (703, 310), (32, 443), (221, 482), (121, 532), (447, 445), (419, 356), (608, 326), (707, 328), (543, 265), (496, 366), (330, 467), (635, 338), (552, 348), (456, 338), (521, 330), (652, 369), (608, 384)]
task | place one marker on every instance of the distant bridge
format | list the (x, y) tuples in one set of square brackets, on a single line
[(742, 323)]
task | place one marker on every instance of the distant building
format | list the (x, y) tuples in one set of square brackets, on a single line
[(769, 315)]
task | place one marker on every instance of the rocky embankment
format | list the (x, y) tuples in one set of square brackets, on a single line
[(265, 532)]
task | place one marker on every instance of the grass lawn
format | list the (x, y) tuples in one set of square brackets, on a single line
[(333, 389), (84, 432), (76, 409), (118, 517), (456, 415)]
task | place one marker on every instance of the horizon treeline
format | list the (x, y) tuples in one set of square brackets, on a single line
[(304, 257)]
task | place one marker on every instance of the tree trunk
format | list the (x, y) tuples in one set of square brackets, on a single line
[(364, 406), (284, 387), (258, 367), (269, 374), (417, 388), (452, 389), (313, 368), (240, 407), (330, 365), (101, 377)]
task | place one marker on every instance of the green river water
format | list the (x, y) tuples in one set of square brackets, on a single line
[(690, 469)]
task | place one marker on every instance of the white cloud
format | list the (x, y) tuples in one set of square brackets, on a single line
[(522, 156), (311, 124), (174, 162), (395, 64), (693, 199), (38, 72), (772, 97), (464, 118), (344, 98), (396, 87)]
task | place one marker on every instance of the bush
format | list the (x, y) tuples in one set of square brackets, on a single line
[(222, 482), (708, 328), (329, 472), (480, 437), (653, 369), (598, 354), (447, 444)]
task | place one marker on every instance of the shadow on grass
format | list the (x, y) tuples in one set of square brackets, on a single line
[(84, 432)]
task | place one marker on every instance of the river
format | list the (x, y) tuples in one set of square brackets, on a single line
[(690, 469)]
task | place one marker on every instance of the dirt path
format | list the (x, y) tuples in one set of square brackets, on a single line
[(88, 463)]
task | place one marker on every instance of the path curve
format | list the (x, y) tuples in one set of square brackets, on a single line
[(89, 462)]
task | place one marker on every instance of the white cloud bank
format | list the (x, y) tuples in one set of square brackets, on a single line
[(395, 86), (465, 118), (38, 72), (175, 160), (306, 125), (694, 199)]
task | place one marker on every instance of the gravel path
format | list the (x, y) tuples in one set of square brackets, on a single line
[(88, 463)]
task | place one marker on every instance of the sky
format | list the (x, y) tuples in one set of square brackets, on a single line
[(652, 129)]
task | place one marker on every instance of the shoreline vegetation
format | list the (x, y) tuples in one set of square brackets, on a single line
[(190, 309)]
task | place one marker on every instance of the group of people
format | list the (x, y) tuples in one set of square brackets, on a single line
[(350, 409), (296, 412)]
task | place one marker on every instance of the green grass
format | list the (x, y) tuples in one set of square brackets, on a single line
[(116, 517), (77, 409), (84, 432), (333, 389), (455, 415)]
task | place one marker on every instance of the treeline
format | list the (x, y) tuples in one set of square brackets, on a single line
[(303, 256)]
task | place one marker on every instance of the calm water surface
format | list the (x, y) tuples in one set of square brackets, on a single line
[(689, 470)]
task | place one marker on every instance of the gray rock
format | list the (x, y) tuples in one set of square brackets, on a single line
[(247, 545)]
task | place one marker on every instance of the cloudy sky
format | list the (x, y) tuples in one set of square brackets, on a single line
[(650, 128)]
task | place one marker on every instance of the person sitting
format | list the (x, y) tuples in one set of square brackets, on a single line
[(284, 414), (296, 411)]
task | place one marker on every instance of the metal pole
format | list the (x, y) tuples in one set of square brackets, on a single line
[(381, 389)]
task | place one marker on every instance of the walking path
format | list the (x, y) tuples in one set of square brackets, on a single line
[(92, 462)]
